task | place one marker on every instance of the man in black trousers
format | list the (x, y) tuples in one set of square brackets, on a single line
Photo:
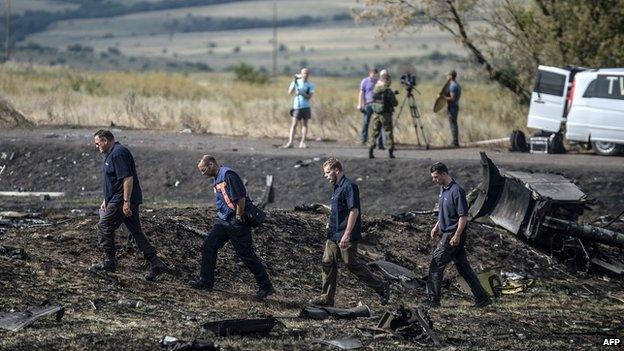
[(452, 223), (233, 206), (122, 197)]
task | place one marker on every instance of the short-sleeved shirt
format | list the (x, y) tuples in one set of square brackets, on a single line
[(346, 196), (235, 187), (119, 164), (303, 87), (455, 89), (452, 204), (366, 86)]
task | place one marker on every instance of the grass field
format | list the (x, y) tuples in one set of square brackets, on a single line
[(337, 47), (217, 103)]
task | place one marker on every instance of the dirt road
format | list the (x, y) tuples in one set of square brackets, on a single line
[(64, 159)]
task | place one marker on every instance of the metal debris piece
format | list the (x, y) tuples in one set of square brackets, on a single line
[(175, 344), (192, 229), (241, 326), (405, 276), (406, 216), (31, 193), (408, 325), (345, 343), (15, 321), (269, 195), (323, 312), (369, 253), (542, 209), (490, 280)]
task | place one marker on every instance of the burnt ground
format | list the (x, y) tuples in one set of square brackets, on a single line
[(561, 311)]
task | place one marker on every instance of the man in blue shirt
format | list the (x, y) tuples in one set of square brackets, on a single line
[(365, 100), (232, 205), (345, 229), (303, 90), (122, 197), (452, 96), (452, 222)]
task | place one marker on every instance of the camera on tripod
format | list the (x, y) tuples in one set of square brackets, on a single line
[(408, 80)]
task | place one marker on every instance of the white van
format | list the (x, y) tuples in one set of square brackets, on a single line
[(588, 104)]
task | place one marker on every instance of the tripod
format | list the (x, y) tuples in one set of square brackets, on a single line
[(411, 102)]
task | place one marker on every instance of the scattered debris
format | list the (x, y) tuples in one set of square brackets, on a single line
[(369, 252), (192, 229), (175, 344), (13, 253), (408, 325), (345, 343), (323, 312), (268, 196), (49, 194), (241, 326), (409, 215), (405, 276), (318, 208), (543, 209), (130, 302), (186, 131), (15, 321), (2, 168), (306, 163)]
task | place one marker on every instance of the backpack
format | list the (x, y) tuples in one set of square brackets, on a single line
[(378, 104)]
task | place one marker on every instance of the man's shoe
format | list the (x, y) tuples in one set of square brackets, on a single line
[(263, 293), (157, 266), (391, 153), (200, 284), (482, 303), (108, 265), (370, 153), (320, 302), (384, 294)]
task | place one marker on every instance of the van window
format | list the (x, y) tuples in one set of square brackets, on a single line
[(589, 92), (550, 83), (609, 87)]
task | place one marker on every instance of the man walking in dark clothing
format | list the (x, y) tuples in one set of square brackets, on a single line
[(452, 96), (452, 222), (122, 197), (345, 229), (233, 205)]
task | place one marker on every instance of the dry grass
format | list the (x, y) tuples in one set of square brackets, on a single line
[(216, 103)]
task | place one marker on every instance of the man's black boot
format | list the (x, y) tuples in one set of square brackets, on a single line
[(265, 292), (157, 266), (391, 153), (370, 153), (109, 265)]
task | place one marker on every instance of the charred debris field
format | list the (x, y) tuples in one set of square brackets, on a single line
[(48, 263)]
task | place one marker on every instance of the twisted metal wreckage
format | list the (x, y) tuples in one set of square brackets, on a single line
[(543, 209)]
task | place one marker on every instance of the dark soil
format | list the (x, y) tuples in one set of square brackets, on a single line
[(561, 311)]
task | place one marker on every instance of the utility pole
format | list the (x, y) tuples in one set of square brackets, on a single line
[(274, 39), (7, 29)]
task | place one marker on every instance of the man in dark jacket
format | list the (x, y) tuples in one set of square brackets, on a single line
[(232, 225), (452, 223), (345, 230), (383, 95), (122, 197)]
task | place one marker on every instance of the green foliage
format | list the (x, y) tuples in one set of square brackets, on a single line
[(89, 85), (246, 73)]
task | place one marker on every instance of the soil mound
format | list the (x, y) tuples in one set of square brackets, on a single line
[(10, 117)]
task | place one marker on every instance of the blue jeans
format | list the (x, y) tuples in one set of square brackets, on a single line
[(367, 112)]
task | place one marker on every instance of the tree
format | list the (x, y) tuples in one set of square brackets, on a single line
[(509, 39)]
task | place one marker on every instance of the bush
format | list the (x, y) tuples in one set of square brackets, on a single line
[(246, 73)]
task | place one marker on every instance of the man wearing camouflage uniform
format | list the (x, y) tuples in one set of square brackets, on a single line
[(383, 94)]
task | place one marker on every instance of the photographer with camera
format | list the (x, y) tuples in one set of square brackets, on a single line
[(365, 100), (384, 102), (301, 112)]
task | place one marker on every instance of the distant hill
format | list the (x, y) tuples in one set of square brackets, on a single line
[(220, 33)]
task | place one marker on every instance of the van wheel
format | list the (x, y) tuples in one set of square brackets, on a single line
[(606, 148)]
